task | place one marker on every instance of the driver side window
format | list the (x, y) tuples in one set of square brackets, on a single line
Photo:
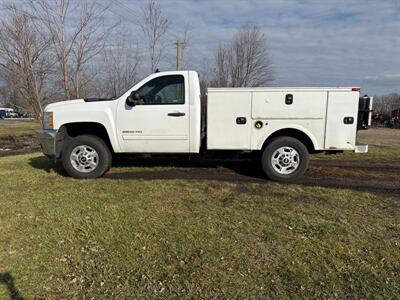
[(162, 90)]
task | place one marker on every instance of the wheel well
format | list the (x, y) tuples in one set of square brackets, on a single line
[(71, 130), (294, 133)]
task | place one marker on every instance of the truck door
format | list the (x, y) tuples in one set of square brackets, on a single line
[(160, 120)]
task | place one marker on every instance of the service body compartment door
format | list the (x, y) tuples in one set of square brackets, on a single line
[(341, 123), (289, 105), (228, 120)]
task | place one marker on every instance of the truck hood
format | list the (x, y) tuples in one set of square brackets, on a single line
[(74, 103), (68, 103)]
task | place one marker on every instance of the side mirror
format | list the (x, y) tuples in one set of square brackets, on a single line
[(133, 99)]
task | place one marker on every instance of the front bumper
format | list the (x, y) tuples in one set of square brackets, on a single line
[(47, 139)]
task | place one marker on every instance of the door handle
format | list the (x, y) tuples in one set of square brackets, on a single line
[(176, 114)]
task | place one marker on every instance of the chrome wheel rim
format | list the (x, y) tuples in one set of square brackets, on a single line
[(84, 158), (285, 160)]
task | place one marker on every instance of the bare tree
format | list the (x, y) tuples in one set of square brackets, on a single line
[(244, 60), (120, 67), (385, 104), (154, 27), (76, 44), (53, 14), (10, 90), (24, 58), (90, 43), (223, 66)]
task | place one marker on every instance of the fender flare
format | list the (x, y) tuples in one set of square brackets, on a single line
[(63, 136), (294, 127)]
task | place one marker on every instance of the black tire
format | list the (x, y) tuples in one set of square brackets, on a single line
[(96, 143), (302, 158)]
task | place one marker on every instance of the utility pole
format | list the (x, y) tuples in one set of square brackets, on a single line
[(178, 45)]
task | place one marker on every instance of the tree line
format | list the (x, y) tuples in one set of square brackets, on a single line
[(53, 50), (385, 104), (67, 49)]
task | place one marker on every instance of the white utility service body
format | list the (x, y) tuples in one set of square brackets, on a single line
[(317, 112), (162, 114)]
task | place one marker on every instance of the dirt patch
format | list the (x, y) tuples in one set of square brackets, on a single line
[(12, 145), (379, 178), (380, 137), (387, 172)]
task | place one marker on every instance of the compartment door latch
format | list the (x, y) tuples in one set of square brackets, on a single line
[(348, 120), (289, 99), (241, 120)]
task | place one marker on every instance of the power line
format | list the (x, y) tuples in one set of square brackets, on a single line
[(124, 6), (123, 18)]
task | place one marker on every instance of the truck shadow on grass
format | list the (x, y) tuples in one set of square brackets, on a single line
[(8, 280), (247, 171), (47, 165), (190, 169), (234, 170), (187, 166)]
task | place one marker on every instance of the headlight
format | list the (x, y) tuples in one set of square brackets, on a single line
[(48, 120)]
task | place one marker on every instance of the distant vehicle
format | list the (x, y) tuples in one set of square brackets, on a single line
[(13, 114), (2, 114), (162, 114), (7, 112)]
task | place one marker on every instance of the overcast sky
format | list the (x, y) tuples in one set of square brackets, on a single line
[(311, 42), (325, 42)]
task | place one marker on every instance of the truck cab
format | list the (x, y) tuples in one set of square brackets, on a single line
[(163, 114)]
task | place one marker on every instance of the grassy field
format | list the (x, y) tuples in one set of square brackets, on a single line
[(109, 238), (384, 145), (16, 128), (374, 155)]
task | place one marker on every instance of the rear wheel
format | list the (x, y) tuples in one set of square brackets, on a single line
[(285, 159), (86, 156)]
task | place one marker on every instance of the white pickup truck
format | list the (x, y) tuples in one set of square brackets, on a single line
[(163, 114)]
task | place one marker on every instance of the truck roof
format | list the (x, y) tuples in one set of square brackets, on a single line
[(279, 89)]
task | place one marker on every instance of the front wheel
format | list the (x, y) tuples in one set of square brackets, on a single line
[(285, 159), (86, 156)]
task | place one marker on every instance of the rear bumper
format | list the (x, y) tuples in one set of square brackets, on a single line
[(361, 148), (47, 139)]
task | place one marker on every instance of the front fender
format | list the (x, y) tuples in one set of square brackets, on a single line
[(103, 116)]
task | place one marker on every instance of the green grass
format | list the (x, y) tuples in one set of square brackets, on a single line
[(20, 128), (107, 238)]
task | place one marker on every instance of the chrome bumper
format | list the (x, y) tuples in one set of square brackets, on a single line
[(47, 139)]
